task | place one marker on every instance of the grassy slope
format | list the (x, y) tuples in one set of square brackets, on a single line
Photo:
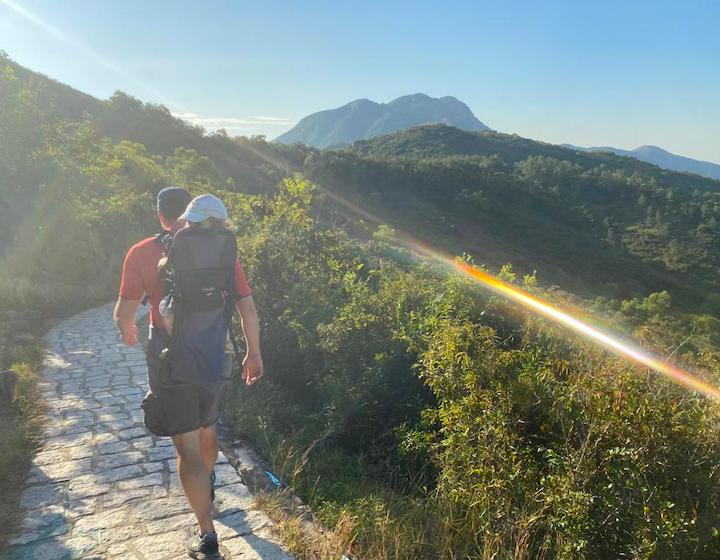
[(20, 426), (252, 165)]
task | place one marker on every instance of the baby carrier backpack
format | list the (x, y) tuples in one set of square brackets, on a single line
[(199, 289)]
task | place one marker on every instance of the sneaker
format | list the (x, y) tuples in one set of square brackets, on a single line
[(203, 547), (212, 485)]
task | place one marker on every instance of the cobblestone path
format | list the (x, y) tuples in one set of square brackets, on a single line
[(102, 486)]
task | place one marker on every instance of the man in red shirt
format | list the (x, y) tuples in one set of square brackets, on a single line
[(196, 450)]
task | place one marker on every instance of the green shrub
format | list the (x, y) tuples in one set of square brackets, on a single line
[(20, 428)]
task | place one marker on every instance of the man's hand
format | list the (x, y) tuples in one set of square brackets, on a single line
[(252, 368), (129, 335), (252, 364), (124, 316)]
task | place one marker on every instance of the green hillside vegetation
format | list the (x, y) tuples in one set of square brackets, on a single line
[(499, 197), (443, 422), (441, 140), (594, 224), (246, 164)]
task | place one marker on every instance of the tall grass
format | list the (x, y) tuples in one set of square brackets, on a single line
[(21, 421), (355, 516), (370, 521)]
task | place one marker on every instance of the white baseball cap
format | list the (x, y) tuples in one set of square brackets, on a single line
[(203, 207)]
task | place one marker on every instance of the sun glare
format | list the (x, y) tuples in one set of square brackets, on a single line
[(611, 342), (87, 51)]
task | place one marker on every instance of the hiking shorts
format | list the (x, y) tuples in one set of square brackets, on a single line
[(172, 409)]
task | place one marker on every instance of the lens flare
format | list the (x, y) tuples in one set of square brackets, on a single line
[(87, 51), (537, 305), (612, 343)]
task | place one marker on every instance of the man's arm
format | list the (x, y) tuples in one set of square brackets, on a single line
[(252, 364), (124, 316), (130, 295)]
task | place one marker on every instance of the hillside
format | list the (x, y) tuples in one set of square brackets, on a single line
[(420, 416), (437, 141), (595, 224), (499, 197), (661, 158), (363, 118), (251, 165)]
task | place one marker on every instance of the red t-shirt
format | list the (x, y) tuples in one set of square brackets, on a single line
[(140, 276)]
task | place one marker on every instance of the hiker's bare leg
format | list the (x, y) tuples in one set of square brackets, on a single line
[(209, 446), (195, 477)]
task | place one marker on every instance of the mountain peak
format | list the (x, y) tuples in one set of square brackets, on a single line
[(424, 98), (650, 148), (363, 118), (419, 96), (662, 158), (362, 102)]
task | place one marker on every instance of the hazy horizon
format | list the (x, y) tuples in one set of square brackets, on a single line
[(605, 75)]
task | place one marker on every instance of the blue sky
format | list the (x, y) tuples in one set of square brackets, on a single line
[(588, 73)]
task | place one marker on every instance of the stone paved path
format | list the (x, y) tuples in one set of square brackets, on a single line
[(102, 486)]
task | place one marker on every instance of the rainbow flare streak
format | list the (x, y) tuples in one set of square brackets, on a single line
[(613, 343)]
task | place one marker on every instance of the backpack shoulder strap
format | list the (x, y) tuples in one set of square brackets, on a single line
[(165, 239), (231, 300)]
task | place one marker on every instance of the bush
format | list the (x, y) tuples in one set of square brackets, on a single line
[(20, 427)]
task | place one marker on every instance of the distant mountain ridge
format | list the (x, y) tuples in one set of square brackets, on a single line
[(661, 158), (362, 119), (437, 141)]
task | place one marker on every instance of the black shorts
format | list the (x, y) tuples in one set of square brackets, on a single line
[(171, 408)]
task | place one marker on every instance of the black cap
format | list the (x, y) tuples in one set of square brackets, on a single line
[(172, 201)]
